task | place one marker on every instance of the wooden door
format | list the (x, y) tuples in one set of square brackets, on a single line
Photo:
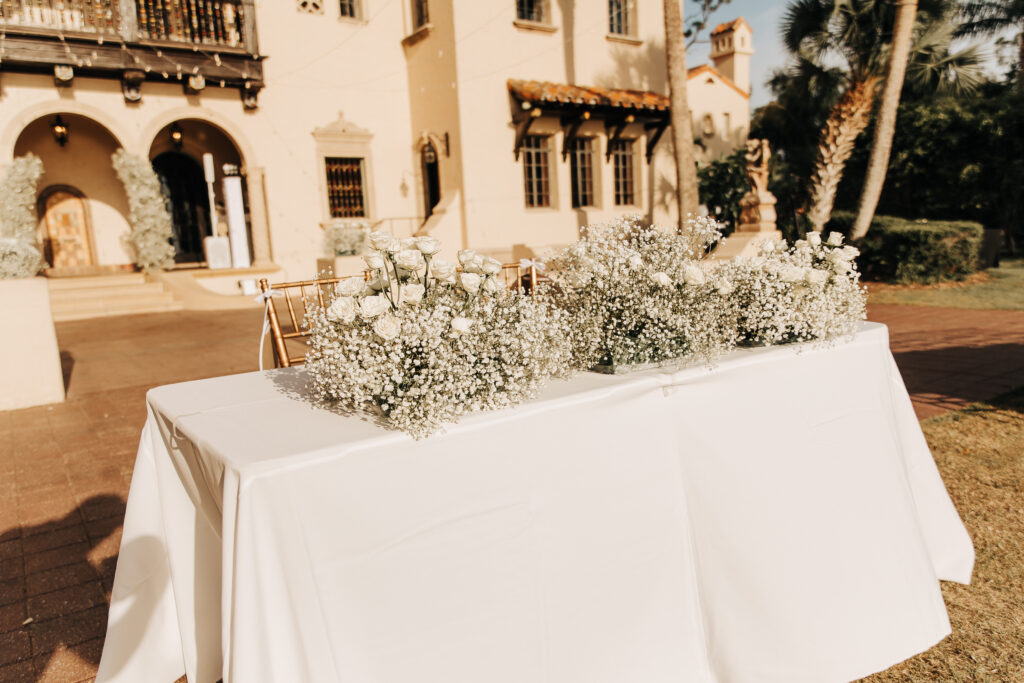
[(67, 231)]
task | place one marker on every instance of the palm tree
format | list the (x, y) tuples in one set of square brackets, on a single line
[(992, 17), (853, 37), (687, 195), (885, 125)]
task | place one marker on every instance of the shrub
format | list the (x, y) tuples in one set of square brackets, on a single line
[(900, 250)]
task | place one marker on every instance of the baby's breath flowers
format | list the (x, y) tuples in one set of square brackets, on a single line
[(423, 344), (792, 294), (639, 294)]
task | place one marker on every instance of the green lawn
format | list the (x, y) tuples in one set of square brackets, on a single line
[(1003, 289)]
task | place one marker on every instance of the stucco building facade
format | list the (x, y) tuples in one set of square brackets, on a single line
[(499, 125)]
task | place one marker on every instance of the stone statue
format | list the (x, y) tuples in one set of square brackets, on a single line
[(757, 208), (758, 154)]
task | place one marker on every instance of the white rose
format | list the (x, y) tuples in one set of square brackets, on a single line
[(373, 306), (443, 271), (387, 327), (662, 279), (835, 239), (851, 252), (466, 255), (428, 246), (490, 285), (791, 274), (409, 259), (693, 275), (351, 286), (374, 261), (470, 282), (409, 243), (490, 266), (814, 238), (461, 325), (343, 308), (840, 266), (577, 280), (815, 276), (394, 246), (412, 294), (635, 262), (379, 239), (474, 265), (725, 288)]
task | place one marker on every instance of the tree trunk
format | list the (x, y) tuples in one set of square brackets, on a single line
[(848, 118), (687, 195), (885, 123)]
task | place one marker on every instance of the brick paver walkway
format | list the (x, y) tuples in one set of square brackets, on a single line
[(65, 469)]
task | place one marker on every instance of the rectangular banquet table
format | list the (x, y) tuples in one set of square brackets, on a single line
[(776, 519)]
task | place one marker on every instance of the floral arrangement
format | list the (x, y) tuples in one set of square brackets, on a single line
[(800, 293), (151, 233), (345, 238), (19, 255), (638, 295), (423, 343)]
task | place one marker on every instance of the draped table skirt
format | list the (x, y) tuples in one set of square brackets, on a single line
[(778, 518)]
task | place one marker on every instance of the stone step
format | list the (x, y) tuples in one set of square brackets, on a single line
[(101, 309), (109, 292), (92, 281)]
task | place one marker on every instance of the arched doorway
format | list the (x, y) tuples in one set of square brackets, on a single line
[(184, 188), (431, 179), (189, 156), (66, 230)]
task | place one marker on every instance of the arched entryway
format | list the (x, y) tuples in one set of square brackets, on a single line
[(82, 206), (189, 156), (431, 178), (185, 191)]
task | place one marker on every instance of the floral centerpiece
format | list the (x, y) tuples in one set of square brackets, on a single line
[(422, 343), (800, 293), (345, 237), (640, 295)]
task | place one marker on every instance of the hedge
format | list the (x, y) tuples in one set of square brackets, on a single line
[(901, 250)]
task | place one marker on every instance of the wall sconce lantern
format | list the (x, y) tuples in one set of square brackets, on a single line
[(177, 136), (60, 130)]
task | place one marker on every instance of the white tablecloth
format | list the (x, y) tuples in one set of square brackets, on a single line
[(779, 518)]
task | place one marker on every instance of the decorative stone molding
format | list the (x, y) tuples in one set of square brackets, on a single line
[(341, 129), (311, 6), (131, 85)]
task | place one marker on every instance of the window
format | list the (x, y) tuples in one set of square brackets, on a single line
[(531, 10), (350, 8), (345, 188), (420, 14), (727, 124), (581, 171), (623, 164), (620, 21), (537, 170)]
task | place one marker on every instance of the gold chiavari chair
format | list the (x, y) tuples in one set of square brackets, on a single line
[(516, 276), (289, 339)]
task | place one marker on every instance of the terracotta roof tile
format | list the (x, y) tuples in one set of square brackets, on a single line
[(539, 92), (730, 25)]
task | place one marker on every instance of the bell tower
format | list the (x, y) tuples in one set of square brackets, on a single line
[(731, 46)]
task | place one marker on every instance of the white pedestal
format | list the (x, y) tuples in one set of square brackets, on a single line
[(235, 207), (218, 252), (30, 372)]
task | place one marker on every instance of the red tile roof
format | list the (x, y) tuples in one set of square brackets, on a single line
[(704, 68), (728, 26), (539, 92)]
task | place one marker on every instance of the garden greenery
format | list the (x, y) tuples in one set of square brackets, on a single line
[(19, 255), (150, 237)]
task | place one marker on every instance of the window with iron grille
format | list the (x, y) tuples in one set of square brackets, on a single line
[(619, 19), (346, 193), (623, 164), (531, 10), (420, 13), (350, 8), (581, 170), (537, 170)]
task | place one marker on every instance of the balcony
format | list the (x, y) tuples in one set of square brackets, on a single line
[(193, 41)]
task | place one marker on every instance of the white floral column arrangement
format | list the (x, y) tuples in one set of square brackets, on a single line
[(422, 342), (152, 228), (19, 254)]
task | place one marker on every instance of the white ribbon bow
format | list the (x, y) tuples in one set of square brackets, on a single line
[(264, 298), (536, 264)]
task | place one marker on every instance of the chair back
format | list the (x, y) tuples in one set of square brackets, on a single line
[(286, 310)]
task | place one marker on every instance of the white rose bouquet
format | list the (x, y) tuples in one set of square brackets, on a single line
[(423, 344), (792, 294), (639, 295)]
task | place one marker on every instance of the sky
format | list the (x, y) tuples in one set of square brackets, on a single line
[(764, 16)]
